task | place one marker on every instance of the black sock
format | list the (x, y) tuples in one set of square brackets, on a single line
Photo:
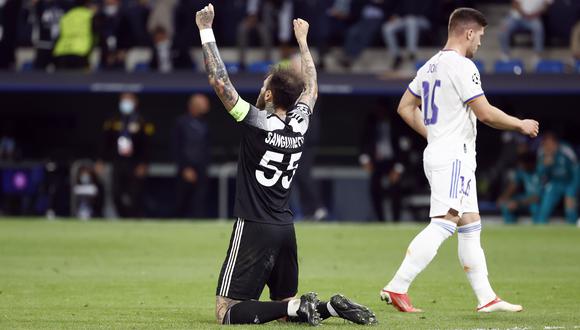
[(322, 309), (256, 312)]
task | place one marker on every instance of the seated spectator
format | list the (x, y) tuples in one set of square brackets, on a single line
[(524, 15), (162, 59), (410, 16), (112, 27), (45, 15), (334, 23), (558, 170), (9, 15), (75, 40), (362, 33), (522, 193), (88, 193), (261, 16)]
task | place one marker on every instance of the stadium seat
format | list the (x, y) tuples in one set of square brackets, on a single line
[(550, 66), (480, 65), (260, 66), (27, 66), (515, 66), (577, 66), (141, 67), (419, 64), (232, 67)]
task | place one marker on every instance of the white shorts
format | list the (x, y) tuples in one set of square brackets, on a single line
[(453, 186)]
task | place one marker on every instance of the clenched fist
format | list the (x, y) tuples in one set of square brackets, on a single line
[(300, 29), (204, 17)]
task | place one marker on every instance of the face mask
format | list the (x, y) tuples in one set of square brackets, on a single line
[(126, 107), (111, 10)]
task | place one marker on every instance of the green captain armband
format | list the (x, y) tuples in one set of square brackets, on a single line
[(240, 110)]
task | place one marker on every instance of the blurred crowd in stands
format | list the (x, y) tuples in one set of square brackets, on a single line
[(64, 33)]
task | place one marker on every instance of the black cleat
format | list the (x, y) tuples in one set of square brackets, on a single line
[(307, 312), (351, 311)]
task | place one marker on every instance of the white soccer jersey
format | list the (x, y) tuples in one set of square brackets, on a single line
[(446, 84)]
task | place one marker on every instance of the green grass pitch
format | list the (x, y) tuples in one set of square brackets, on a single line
[(140, 275)]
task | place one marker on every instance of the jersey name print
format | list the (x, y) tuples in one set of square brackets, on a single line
[(446, 84), (270, 152)]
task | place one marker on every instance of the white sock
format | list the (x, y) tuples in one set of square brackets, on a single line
[(293, 306), (331, 309), (472, 259), (421, 251)]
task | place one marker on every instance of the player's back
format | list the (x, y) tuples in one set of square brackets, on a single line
[(446, 84), (270, 150)]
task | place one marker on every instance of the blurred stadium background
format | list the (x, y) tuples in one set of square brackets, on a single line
[(60, 112)]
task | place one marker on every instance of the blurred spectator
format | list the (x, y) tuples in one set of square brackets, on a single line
[(334, 22), (362, 33), (261, 16), (522, 193), (575, 41), (125, 144), (75, 41), (525, 15), (191, 146), (162, 59), (9, 14), (185, 36), (112, 27), (88, 192), (8, 147), (558, 171), (162, 15), (46, 15), (380, 157), (410, 16)]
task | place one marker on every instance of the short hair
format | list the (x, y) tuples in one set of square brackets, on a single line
[(462, 17), (286, 86)]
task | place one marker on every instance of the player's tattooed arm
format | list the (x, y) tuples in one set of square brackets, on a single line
[(214, 66), (310, 93)]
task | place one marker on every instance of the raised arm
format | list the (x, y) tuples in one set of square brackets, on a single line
[(214, 66), (310, 93), (494, 117), (409, 110)]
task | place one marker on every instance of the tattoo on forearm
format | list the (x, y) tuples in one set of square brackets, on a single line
[(218, 75), (310, 76)]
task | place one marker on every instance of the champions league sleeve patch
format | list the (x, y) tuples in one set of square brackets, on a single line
[(475, 78)]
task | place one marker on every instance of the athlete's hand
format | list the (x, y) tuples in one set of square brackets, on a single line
[(530, 127), (204, 17), (300, 29)]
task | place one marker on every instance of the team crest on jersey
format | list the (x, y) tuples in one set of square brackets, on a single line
[(475, 78)]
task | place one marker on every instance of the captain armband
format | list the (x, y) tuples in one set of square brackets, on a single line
[(240, 110)]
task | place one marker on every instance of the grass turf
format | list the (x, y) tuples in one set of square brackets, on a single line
[(137, 275)]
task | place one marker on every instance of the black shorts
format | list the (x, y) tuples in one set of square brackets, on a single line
[(260, 254)]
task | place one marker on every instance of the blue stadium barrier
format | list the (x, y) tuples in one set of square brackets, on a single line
[(515, 66), (260, 66), (550, 66)]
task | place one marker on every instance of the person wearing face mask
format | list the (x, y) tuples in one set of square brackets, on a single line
[(125, 145), (114, 35), (88, 191)]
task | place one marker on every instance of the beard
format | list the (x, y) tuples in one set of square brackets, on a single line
[(260, 103)]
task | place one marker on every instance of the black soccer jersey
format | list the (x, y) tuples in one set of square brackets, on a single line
[(269, 155)]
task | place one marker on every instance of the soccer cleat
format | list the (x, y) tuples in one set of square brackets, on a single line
[(498, 305), (351, 311), (307, 312), (400, 301)]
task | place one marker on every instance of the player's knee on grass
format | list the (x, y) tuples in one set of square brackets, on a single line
[(222, 305)]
